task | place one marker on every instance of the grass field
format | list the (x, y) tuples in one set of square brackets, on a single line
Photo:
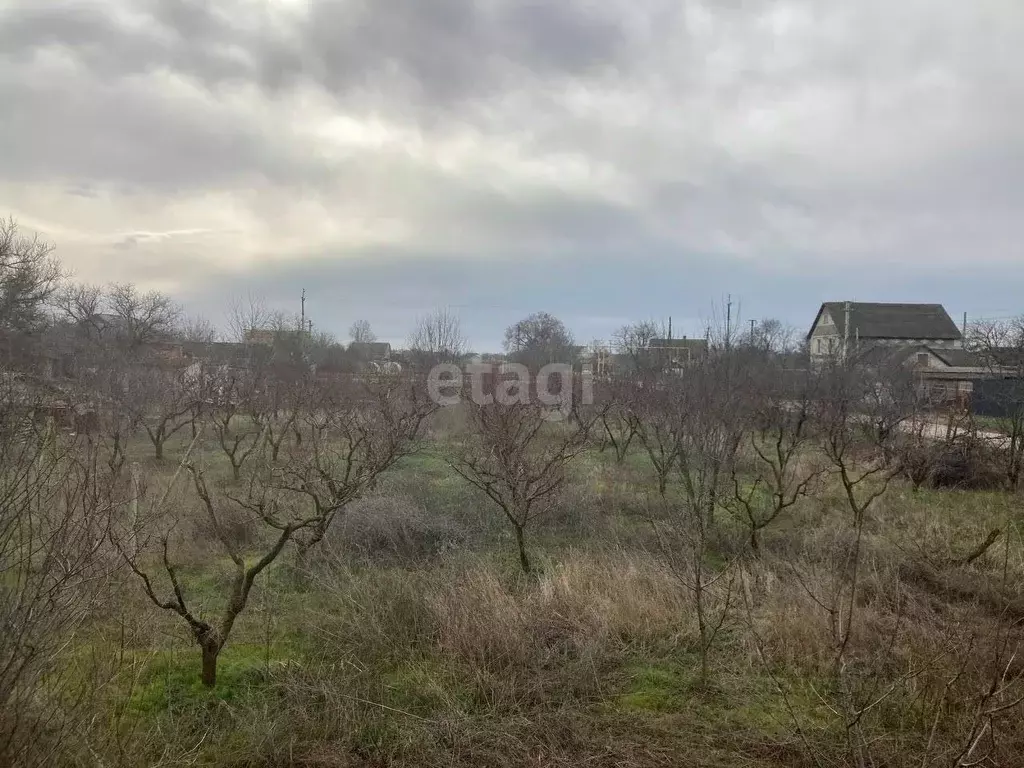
[(415, 640)]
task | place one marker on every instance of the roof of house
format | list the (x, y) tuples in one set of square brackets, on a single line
[(683, 343), (373, 348), (887, 354), (891, 321), (958, 358)]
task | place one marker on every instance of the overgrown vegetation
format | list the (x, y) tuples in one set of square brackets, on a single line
[(309, 570)]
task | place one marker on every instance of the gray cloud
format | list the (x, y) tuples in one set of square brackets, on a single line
[(793, 135)]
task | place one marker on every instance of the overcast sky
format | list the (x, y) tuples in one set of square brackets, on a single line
[(602, 160)]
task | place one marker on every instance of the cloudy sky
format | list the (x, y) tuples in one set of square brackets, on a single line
[(602, 160)]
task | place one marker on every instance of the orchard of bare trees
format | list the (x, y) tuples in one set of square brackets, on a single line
[(722, 559)]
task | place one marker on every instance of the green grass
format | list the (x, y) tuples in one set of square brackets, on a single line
[(171, 679), (363, 670)]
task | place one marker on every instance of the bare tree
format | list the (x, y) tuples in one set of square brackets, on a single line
[(437, 338), (160, 402), (1000, 345), (55, 508), (143, 317), (276, 409), (538, 340), (152, 538), (361, 332), (239, 420), (81, 305), (355, 432), (771, 336), (250, 314), (708, 410), (618, 421), (197, 329), (659, 415), (29, 278), (781, 437), (517, 462), (847, 401), (635, 340)]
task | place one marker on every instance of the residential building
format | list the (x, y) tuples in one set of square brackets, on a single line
[(841, 328), (370, 351), (668, 354), (944, 374)]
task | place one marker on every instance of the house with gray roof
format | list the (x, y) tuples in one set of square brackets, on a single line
[(843, 327)]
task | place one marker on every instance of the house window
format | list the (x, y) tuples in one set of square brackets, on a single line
[(922, 360)]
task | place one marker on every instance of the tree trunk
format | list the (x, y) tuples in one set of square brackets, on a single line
[(158, 449), (524, 560), (211, 650)]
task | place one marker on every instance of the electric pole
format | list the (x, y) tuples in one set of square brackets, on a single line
[(846, 331), (751, 332), (728, 320), (302, 322)]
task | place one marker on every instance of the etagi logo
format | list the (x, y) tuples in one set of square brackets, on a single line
[(511, 383)]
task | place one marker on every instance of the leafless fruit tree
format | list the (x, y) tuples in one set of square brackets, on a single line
[(659, 416), (55, 507), (355, 431), (238, 418), (781, 443), (708, 410), (160, 401), (618, 420), (146, 547), (519, 458)]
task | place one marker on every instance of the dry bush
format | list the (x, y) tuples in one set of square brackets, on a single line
[(583, 610), (374, 616), (392, 530), (967, 464), (446, 423)]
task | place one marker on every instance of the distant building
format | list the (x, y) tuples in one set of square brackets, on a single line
[(370, 351), (271, 337), (874, 324), (943, 374), (675, 353)]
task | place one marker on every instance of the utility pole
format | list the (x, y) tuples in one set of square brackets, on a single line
[(963, 340), (728, 320), (846, 331), (302, 322), (751, 331)]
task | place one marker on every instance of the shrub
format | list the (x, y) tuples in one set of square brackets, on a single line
[(967, 464), (394, 530)]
